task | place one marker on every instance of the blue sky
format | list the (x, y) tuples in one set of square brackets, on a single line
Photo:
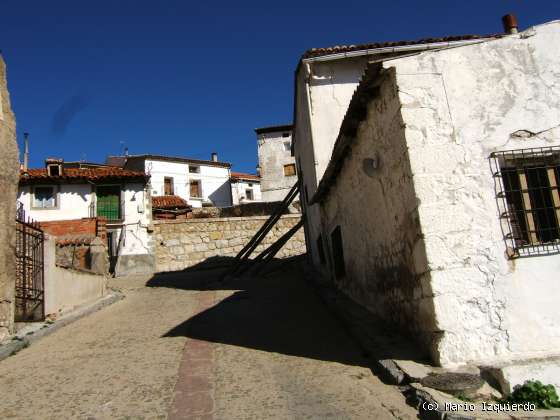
[(189, 78)]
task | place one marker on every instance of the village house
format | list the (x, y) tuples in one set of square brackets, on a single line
[(430, 175), (245, 188), (65, 198), (277, 167), (199, 182)]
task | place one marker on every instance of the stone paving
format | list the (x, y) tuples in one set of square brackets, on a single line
[(181, 346)]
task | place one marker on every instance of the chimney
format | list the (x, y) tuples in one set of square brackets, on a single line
[(510, 24), (214, 157), (26, 152)]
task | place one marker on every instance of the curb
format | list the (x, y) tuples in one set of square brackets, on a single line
[(16, 345)]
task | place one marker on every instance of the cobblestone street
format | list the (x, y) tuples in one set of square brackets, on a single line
[(178, 347)]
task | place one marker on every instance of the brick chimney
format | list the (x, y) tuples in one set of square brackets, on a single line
[(510, 24)]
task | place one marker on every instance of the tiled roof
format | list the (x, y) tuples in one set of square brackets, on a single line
[(79, 174), (169, 202), (240, 175), (317, 52)]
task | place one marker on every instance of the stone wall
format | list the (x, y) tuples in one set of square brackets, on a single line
[(8, 186), (184, 243)]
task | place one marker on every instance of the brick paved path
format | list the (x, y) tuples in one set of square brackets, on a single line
[(253, 349)]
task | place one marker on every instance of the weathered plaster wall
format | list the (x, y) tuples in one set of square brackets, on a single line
[(180, 244), (460, 105), (66, 289), (8, 187), (324, 90), (239, 191), (214, 181), (272, 158), (379, 223), (73, 202), (136, 248)]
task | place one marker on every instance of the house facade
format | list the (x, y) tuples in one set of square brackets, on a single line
[(122, 197), (199, 182), (438, 207), (245, 188), (277, 167)]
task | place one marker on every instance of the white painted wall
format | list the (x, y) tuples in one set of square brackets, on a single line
[(214, 181), (238, 191), (324, 90), (272, 158), (73, 203), (379, 225)]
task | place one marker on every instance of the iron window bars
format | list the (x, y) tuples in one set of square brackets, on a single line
[(528, 199)]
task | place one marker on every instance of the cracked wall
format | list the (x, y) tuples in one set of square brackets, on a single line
[(8, 186), (460, 105)]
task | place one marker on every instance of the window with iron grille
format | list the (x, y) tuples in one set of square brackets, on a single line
[(528, 199)]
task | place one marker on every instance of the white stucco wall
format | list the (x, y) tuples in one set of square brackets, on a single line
[(73, 203), (324, 90), (272, 158), (380, 229), (214, 181), (239, 195), (460, 105)]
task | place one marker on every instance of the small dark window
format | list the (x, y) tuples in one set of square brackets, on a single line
[(321, 249), (249, 194), (338, 254), (194, 169), (285, 134), (54, 170), (168, 186), (287, 146)]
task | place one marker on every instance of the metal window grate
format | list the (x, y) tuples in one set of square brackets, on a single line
[(528, 197)]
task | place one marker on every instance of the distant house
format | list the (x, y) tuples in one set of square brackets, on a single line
[(432, 190), (199, 182), (245, 188), (60, 193), (277, 166)]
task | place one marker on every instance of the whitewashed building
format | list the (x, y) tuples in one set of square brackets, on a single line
[(277, 167), (60, 193), (245, 188), (196, 181), (431, 191)]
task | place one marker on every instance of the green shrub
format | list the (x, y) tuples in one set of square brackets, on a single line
[(543, 396)]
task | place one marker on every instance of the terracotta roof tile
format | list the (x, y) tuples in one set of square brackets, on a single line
[(87, 174), (169, 202), (338, 49), (239, 175)]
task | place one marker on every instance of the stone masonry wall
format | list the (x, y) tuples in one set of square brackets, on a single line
[(8, 186), (184, 243)]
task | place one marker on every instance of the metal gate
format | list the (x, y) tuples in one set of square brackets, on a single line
[(29, 270)]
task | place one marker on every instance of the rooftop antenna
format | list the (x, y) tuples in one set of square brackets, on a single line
[(121, 149)]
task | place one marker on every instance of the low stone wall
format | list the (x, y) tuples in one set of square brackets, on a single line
[(184, 243)]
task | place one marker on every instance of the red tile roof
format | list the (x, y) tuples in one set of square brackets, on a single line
[(82, 174), (239, 175), (169, 202), (317, 52)]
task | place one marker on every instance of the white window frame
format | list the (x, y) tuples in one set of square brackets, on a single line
[(56, 195)]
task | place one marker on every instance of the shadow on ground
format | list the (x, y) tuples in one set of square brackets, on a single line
[(276, 311)]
